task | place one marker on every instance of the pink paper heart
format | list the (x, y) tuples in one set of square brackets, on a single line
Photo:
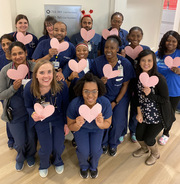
[(44, 111), (90, 114), (87, 35), (24, 39), (109, 73), (170, 62), (20, 73), (133, 53), (77, 67), (148, 81), (59, 46), (106, 33)]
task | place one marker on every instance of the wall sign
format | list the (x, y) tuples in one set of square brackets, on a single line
[(70, 15)]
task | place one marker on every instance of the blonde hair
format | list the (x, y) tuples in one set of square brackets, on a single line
[(55, 86)]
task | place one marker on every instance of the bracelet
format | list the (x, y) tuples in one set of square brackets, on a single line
[(68, 79)]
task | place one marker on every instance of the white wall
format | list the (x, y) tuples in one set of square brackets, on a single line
[(145, 14), (5, 17), (34, 10)]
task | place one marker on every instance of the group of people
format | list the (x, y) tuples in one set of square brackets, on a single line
[(152, 109)]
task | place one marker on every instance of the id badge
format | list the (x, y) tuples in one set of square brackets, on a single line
[(56, 64), (44, 104), (89, 46), (25, 81), (120, 67)]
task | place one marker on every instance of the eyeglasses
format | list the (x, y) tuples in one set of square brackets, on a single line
[(93, 92), (49, 25)]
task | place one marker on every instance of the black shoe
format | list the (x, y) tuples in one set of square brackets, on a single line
[(74, 143), (112, 151), (84, 174), (94, 174), (105, 149)]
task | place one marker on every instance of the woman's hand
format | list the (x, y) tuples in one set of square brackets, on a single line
[(59, 75), (176, 70), (52, 52), (17, 84), (139, 117), (147, 90), (80, 121), (73, 76), (36, 117), (99, 120), (104, 79)]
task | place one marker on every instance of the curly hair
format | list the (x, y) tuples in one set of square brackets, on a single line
[(162, 45)]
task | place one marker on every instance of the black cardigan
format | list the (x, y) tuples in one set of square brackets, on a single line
[(161, 97)]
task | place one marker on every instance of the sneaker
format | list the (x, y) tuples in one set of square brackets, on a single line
[(19, 166), (74, 143), (94, 174), (121, 139), (43, 172), (105, 149), (163, 140), (31, 161), (84, 173), (59, 169), (133, 138), (112, 151)]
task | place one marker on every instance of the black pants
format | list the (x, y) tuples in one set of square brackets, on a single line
[(174, 103), (148, 132)]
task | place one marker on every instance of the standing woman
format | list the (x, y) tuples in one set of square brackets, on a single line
[(11, 92), (88, 135), (5, 59), (116, 91), (154, 110), (45, 90), (169, 46), (117, 19), (22, 24)]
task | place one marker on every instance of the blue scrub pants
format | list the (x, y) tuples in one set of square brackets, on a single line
[(25, 140), (89, 148), (9, 135), (51, 141), (119, 124)]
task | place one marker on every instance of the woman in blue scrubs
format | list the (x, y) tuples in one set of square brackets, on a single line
[(116, 90), (45, 90), (88, 135), (11, 92)]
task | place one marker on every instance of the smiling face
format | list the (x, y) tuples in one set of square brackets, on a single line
[(18, 56), (110, 49), (146, 63), (171, 44), (5, 43), (135, 37), (90, 93), (116, 21), (22, 25), (59, 31), (44, 75), (81, 52), (87, 23)]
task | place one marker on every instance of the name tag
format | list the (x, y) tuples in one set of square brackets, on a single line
[(56, 64), (120, 67), (25, 81)]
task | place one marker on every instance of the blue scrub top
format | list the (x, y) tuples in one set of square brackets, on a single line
[(113, 86), (133, 61), (60, 101), (73, 110), (3, 61), (63, 57), (173, 80), (95, 43), (30, 46), (47, 37), (123, 36)]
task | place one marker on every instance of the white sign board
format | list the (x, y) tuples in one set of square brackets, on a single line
[(70, 15)]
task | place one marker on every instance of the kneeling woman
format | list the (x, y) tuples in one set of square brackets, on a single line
[(44, 89), (154, 111), (88, 136)]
